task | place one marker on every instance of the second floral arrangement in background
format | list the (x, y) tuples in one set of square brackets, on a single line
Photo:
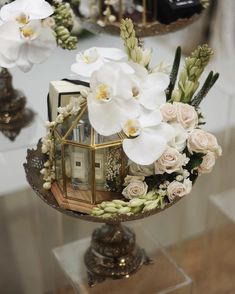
[(31, 30), (148, 120)]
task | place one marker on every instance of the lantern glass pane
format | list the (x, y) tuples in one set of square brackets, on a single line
[(110, 169), (81, 133), (78, 176), (64, 127)]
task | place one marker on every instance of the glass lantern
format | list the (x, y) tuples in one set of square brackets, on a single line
[(89, 168)]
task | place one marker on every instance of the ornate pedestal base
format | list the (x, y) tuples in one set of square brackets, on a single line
[(13, 114), (113, 254)]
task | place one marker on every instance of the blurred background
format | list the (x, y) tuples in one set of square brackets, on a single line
[(198, 232)]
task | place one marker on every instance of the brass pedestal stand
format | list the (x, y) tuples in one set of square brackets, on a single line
[(113, 254), (13, 114)]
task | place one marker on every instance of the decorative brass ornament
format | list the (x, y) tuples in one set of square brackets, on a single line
[(83, 161)]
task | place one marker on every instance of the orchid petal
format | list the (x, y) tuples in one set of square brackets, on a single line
[(22, 61), (144, 149), (112, 53), (86, 70), (163, 130), (140, 71), (36, 9), (41, 48), (157, 79), (119, 82), (152, 97), (150, 118), (5, 62), (10, 40), (106, 117)]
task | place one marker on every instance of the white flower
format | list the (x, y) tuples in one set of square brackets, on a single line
[(213, 144), (169, 112), (88, 8), (180, 140), (170, 161), (146, 57), (150, 90), (147, 137), (177, 189), (208, 163), (94, 58), (186, 115), (200, 141), (24, 11), (60, 118), (135, 189), (162, 67), (111, 101), (141, 170), (25, 46)]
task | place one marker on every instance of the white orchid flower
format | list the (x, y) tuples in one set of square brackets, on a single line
[(25, 46), (88, 8), (23, 11), (147, 137), (92, 60), (149, 89), (179, 142), (111, 100)]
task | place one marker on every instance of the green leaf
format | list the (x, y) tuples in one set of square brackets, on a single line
[(209, 83), (195, 161), (174, 73)]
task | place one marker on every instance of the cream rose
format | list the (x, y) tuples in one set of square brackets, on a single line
[(141, 170), (170, 161), (168, 111), (135, 189), (186, 115), (177, 189), (213, 144), (200, 141), (208, 163)]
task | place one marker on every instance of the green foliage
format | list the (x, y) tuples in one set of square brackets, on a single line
[(209, 83), (195, 161), (190, 74), (174, 73), (63, 25)]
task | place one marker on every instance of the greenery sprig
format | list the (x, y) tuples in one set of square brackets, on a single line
[(63, 25), (132, 44), (190, 74), (111, 209)]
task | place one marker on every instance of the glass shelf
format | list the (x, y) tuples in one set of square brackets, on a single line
[(162, 276)]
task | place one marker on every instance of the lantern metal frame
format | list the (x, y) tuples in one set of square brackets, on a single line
[(95, 196)]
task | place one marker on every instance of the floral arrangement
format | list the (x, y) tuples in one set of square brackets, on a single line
[(158, 115), (110, 9), (31, 30)]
